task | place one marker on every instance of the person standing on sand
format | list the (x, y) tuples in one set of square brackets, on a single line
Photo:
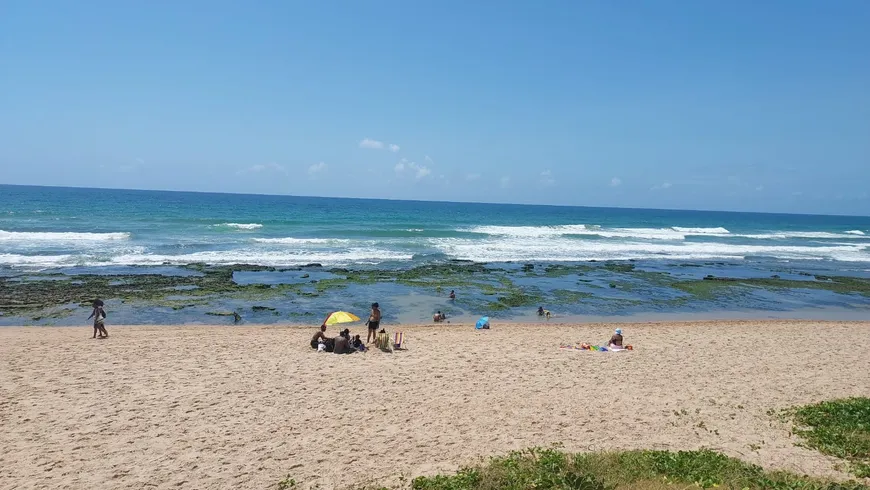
[(99, 316), (373, 323)]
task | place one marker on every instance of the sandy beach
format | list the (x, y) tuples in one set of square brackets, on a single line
[(242, 407)]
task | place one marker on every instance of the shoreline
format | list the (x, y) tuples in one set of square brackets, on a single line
[(243, 407)]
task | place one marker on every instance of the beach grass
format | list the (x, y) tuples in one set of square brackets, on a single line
[(636, 470), (839, 428)]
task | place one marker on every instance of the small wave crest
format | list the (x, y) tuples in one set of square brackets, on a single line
[(62, 236), (701, 231), (855, 232), (303, 241), (240, 226)]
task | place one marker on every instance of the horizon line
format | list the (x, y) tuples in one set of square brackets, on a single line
[(432, 201)]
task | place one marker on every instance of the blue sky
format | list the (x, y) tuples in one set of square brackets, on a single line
[(734, 105)]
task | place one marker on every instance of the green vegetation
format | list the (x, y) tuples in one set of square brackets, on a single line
[(839, 428), (553, 469)]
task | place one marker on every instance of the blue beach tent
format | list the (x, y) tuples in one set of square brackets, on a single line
[(483, 323)]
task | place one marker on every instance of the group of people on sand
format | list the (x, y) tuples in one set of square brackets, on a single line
[(344, 343)]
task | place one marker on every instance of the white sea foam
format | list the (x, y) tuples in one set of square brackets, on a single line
[(304, 241), (701, 231), (37, 260), (671, 233), (45, 236), (241, 226), (562, 249), (268, 258)]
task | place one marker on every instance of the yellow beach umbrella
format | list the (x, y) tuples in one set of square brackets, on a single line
[(341, 317)]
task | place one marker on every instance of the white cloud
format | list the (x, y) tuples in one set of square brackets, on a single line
[(547, 178), (615, 182), (260, 168), (666, 185), (472, 177), (420, 171), (505, 182), (394, 148), (426, 157), (760, 188), (371, 144), (316, 169)]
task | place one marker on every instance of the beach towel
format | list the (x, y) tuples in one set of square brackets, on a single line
[(587, 347)]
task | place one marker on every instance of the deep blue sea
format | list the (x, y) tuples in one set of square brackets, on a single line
[(44, 228)]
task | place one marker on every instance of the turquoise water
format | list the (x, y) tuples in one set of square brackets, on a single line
[(44, 228), (56, 234)]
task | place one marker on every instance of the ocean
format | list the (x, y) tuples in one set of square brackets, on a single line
[(43, 227), (181, 257)]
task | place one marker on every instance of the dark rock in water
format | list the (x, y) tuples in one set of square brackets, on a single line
[(313, 264), (305, 276), (313, 281), (593, 260), (709, 276), (528, 267), (262, 308), (612, 286), (775, 276), (632, 260)]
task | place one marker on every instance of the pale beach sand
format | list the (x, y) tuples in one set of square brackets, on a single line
[(241, 407)]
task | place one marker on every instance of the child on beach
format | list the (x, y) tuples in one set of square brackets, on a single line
[(99, 316)]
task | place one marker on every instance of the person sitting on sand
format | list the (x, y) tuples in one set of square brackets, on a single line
[(342, 343), (318, 337), (616, 340), (373, 323), (439, 317), (358, 344), (99, 316), (543, 312)]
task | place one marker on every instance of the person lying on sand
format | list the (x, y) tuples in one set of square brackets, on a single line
[(439, 317), (616, 340)]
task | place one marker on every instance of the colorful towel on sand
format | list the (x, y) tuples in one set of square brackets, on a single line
[(589, 347)]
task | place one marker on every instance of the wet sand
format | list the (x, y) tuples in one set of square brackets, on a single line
[(242, 407)]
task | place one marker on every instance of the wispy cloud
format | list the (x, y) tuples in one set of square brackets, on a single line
[(615, 182), (759, 188), (472, 177), (660, 187), (394, 148), (317, 169), (428, 159), (547, 178), (371, 144), (420, 171), (505, 182), (260, 168)]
